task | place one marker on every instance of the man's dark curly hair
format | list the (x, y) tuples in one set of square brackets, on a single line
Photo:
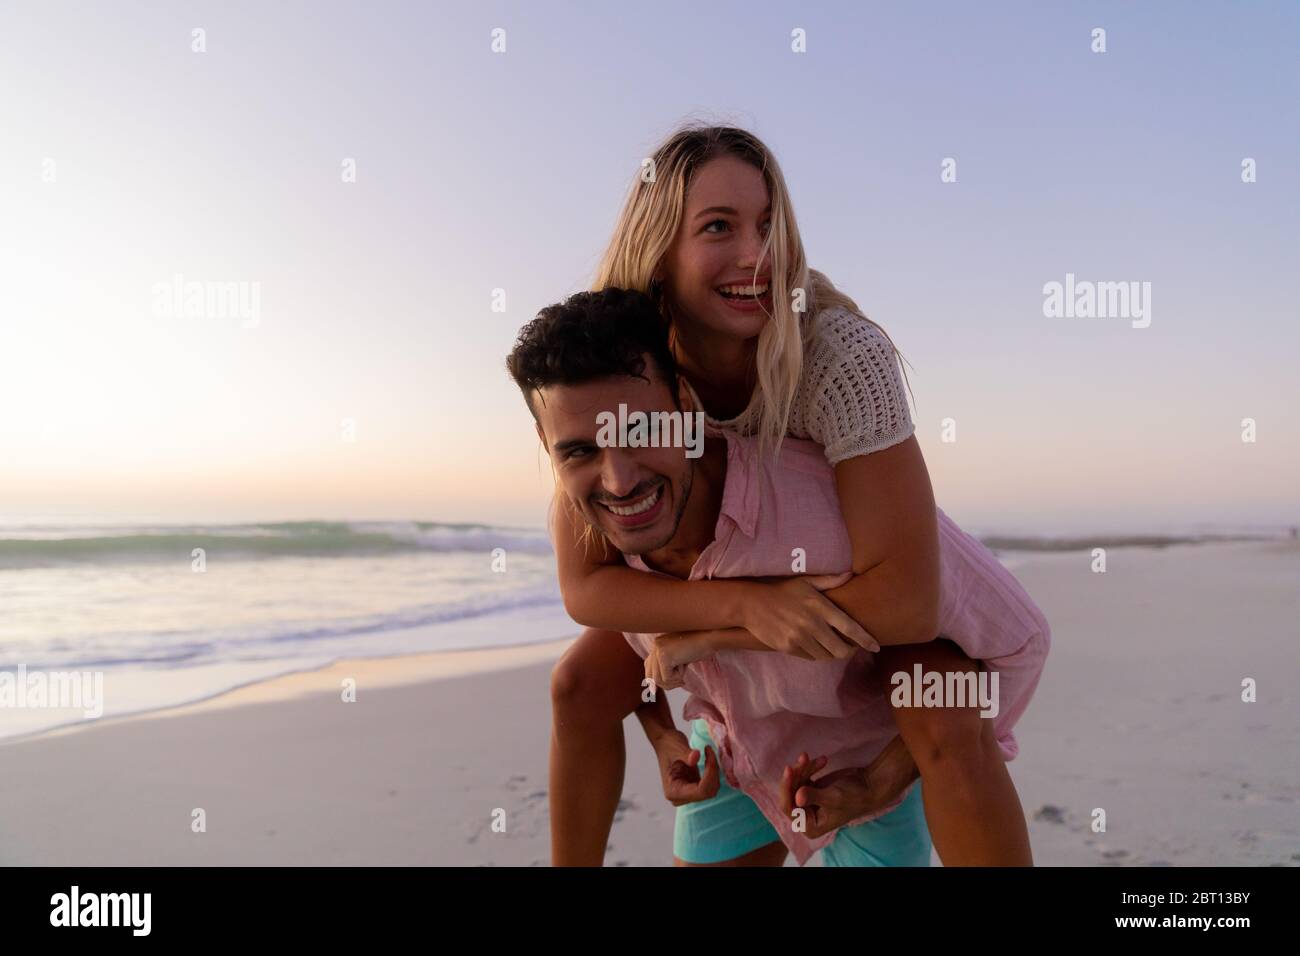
[(589, 336)]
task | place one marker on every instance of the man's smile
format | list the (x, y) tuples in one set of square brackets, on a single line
[(638, 511)]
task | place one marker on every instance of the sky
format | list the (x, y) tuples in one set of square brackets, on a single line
[(370, 384)]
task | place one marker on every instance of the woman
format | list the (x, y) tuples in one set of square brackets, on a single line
[(768, 347)]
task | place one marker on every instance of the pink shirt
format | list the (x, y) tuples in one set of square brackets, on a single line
[(764, 708)]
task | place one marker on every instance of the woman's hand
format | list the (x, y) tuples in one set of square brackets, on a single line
[(792, 616)]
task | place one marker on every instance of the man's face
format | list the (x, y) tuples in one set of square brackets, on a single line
[(634, 496)]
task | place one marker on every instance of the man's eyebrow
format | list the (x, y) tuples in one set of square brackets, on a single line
[(571, 443), (727, 210)]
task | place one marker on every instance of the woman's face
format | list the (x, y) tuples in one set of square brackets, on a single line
[(708, 273)]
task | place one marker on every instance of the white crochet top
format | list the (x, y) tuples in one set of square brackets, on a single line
[(850, 396)]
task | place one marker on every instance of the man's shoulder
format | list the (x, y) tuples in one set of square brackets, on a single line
[(797, 458)]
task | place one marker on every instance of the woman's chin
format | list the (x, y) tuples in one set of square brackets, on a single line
[(741, 324)]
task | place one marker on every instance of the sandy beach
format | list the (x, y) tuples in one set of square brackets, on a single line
[(1139, 713)]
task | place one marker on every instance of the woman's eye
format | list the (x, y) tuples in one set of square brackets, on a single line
[(726, 225)]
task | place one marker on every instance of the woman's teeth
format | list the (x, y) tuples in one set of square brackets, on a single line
[(743, 291), (636, 509)]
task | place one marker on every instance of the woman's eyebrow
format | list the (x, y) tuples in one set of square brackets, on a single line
[(725, 209)]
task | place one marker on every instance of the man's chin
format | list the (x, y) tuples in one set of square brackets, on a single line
[(635, 543), (634, 540)]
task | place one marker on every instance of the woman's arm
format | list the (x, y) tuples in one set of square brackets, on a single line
[(889, 510), (600, 591)]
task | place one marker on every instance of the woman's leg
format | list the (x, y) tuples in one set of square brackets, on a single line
[(594, 686), (971, 805)]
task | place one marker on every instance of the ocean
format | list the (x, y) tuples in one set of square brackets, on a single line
[(171, 614), (166, 626)]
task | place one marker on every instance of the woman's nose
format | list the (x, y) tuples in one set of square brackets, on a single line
[(751, 251)]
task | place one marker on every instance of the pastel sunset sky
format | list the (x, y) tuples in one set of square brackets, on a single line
[(129, 159)]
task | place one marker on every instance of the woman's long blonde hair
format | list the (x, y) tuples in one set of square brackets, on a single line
[(651, 217)]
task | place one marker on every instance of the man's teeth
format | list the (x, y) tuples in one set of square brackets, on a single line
[(638, 508), (749, 290)]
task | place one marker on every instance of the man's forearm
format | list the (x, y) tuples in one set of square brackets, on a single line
[(704, 644), (656, 719)]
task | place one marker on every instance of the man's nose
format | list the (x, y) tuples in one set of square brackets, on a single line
[(619, 473)]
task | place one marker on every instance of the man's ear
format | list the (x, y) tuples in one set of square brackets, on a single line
[(541, 435)]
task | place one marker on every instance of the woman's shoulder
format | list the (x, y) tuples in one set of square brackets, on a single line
[(840, 330), (845, 347), (852, 389)]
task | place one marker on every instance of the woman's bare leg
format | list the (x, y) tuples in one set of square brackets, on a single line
[(594, 686), (971, 804)]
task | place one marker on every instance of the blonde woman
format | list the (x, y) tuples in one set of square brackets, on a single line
[(768, 347)]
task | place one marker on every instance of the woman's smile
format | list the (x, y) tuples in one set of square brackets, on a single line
[(747, 298)]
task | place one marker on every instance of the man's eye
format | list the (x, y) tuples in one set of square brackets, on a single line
[(578, 453)]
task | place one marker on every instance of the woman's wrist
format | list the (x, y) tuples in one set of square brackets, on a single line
[(743, 599)]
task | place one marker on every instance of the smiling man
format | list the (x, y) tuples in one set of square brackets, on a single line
[(578, 362), (734, 512)]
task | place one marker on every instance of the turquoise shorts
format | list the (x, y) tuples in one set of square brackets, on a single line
[(731, 825)]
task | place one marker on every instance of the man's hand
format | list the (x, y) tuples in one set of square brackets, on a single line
[(679, 768), (792, 616), (828, 803), (669, 655), (840, 797)]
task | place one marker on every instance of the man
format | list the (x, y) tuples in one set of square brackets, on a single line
[(732, 512)]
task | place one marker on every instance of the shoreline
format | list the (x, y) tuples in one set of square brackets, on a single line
[(139, 690), (390, 670), (231, 687)]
